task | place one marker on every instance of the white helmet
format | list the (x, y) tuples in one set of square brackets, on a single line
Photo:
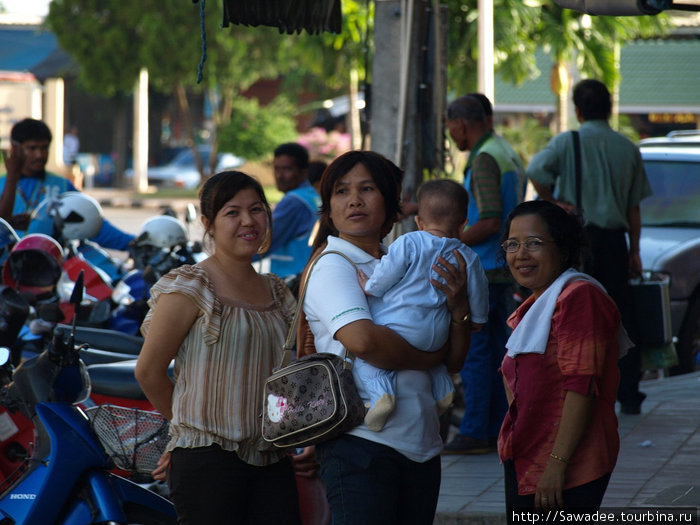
[(77, 216), (162, 231)]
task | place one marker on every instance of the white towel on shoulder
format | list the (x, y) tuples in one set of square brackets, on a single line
[(532, 333)]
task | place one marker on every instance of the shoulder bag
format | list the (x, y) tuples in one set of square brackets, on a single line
[(312, 399)]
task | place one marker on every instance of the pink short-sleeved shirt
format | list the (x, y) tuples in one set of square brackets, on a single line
[(582, 350)]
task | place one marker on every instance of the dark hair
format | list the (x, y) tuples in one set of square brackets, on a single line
[(485, 103), (565, 228), (466, 108), (385, 174), (298, 152), (316, 169), (449, 201), (30, 129), (221, 188), (592, 99)]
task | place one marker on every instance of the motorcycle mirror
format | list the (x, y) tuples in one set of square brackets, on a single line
[(190, 213), (77, 296), (4, 355)]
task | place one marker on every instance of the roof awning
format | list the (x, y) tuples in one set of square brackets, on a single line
[(57, 64), (290, 16)]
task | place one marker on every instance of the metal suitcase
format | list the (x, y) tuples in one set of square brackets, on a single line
[(652, 309)]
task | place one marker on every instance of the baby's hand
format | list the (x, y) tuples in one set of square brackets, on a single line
[(362, 279)]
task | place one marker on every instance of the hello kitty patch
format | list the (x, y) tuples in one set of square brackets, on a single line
[(276, 406)]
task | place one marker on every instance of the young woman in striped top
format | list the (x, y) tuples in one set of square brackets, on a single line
[(224, 325)]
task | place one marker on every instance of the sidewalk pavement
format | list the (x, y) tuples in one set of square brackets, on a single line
[(658, 464), (121, 198)]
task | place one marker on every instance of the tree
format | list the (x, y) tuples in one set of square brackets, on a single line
[(341, 60), (167, 40), (591, 43), (568, 36)]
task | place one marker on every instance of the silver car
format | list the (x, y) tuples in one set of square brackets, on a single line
[(182, 172), (670, 240)]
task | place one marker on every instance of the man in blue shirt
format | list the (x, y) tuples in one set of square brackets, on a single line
[(27, 183), (295, 215)]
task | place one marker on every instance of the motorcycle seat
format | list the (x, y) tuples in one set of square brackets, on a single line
[(117, 379), (105, 339)]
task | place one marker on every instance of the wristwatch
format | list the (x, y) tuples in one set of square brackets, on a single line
[(464, 319)]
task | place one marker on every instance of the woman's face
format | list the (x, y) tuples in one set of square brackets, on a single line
[(357, 207), (240, 226), (535, 269)]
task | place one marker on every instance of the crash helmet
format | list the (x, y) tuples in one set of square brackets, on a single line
[(76, 216), (8, 238), (162, 231), (34, 262)]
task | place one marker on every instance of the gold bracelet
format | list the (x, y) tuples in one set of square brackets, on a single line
[(465, 320), (558, 458)]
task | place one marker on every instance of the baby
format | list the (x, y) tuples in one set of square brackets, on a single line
[(407, 302)]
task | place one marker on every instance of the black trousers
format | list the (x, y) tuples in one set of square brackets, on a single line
[(213, 486), (586, 497), (608, 262)]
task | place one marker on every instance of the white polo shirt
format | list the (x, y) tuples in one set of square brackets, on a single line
[(334, 299)]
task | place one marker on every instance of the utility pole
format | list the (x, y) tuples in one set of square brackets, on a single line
[(408, 89)]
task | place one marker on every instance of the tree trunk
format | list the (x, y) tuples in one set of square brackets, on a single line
[(119, 141), (354, 113), (183, 107), (559, 83)]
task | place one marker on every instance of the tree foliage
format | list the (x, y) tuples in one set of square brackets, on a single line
[(571, 38), (113, 39), (520, 27), (253, 132)]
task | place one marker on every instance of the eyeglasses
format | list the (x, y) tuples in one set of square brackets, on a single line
[(533, 244)]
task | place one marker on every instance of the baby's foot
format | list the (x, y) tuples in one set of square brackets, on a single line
[(376, 415), (444, 403)]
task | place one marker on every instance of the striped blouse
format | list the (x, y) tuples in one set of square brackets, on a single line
[(222, 364)]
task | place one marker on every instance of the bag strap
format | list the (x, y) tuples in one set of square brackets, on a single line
[(291, 336), (577, 158)]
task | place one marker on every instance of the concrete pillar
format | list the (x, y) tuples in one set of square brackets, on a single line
[(485, 74), (140, 181), (53, 118), (408, 90), (386, 70)]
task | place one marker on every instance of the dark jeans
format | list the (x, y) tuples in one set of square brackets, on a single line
[(586, 497), (485, 402), (608, 262), (209, 485), (372, 484)]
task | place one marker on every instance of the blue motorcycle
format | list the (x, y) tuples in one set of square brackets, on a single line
[(64, 478)]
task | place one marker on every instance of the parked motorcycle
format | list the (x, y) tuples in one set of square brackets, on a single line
[(65, 478), (161, 245)]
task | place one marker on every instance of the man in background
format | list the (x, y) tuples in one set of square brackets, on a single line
[(613, 183), (71, 148), (295, 215), (495, 187), (27, 183)]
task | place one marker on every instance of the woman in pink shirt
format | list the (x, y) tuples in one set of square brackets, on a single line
[(559, 440)]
